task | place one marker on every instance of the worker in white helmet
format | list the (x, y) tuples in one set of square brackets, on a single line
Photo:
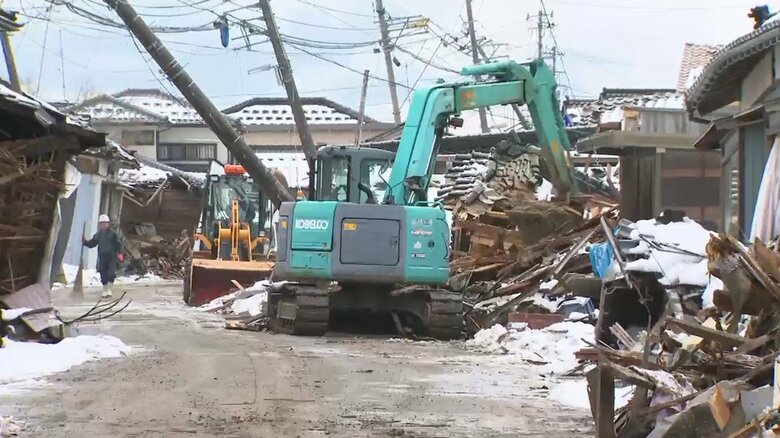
[(109, 246)]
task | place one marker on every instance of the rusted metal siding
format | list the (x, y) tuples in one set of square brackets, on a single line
[(171, 212)]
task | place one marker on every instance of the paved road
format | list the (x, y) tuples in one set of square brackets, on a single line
[(189, 377)]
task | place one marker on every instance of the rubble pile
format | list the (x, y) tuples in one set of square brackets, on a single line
[(150, 253), (245, 308), (478, 180), (704, 361)]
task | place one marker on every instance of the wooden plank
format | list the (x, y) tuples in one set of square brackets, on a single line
[(724, 338), (605, 419)]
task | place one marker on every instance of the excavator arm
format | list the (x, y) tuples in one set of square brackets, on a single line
[(431, 109)]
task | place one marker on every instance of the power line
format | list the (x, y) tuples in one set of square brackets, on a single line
[(425, 67), (319, 26), (325, 8)]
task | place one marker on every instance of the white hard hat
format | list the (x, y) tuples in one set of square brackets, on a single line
[(104, 218)]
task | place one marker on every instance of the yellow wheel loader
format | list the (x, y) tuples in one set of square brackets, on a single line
[(230, 241)]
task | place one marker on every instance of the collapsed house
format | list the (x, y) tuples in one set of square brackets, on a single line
[(36, 171)]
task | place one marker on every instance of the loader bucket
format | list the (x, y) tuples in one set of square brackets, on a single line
[(209, 279)]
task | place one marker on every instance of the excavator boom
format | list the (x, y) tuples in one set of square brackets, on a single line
[(432, 108)]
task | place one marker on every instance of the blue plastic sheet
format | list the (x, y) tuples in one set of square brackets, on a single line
[(600, 258)]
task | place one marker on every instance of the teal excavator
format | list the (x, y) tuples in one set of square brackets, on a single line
[(366, 242)]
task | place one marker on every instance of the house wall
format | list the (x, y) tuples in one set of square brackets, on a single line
[(320, 136), (85, 216), (668, 122), (757, 82), (754, 149), (171, 212)]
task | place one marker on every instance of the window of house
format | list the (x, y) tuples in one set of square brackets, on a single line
[(186, 152), (138, 138)]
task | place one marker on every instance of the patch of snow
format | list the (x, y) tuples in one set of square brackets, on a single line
[(707, 298), (253, 306), (91, 278), (577, 316), (693, 74), (218, 302), (29, 360), (574, 393), (544, 191), (544, 302), (11, 314), (11, 427), (145, 174), (675, 267), (553, 346), (548, 285)]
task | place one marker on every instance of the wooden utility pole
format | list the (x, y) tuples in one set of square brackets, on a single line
[(539, 30), (475, 58), (294, 99), (387, 48), (362, 109), (213, 117), (10, 62)]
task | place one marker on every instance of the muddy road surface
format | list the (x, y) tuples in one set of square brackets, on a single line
[(189, 377)]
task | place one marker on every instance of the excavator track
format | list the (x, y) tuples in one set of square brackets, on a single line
[(301, 310), (445, 318)]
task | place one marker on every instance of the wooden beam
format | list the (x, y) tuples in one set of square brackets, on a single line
[(724, 338)]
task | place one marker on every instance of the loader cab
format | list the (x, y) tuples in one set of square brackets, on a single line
[(352, 174), (223, 186)]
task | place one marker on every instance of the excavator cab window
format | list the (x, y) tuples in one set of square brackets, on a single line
[(333, 178), (373, 175)]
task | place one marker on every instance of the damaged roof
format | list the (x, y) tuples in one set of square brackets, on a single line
[(695, 57), (25, 116), (719, 83)]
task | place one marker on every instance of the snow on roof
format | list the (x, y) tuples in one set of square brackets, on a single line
[(175, 110), (282, 115), (293, 166), (143, 175)]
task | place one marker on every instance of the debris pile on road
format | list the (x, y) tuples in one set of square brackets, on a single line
[(685, 320), (704, 358), (150, 253), (245, 308), (506, 260)]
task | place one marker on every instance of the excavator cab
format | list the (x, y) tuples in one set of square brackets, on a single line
[(352, 174), (230, 242)]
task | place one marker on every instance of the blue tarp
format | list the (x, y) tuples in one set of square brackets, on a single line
[(600, 258)]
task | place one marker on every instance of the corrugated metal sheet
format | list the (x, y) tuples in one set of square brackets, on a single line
[(35, 296)]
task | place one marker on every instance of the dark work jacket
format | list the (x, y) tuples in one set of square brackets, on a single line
[(109, 244)]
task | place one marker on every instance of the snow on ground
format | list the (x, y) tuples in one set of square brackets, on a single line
[(681, 259), (552, 347), (12, 314), (92, 278), (11, 427), (252, 306), (574, 393), (25, 361)]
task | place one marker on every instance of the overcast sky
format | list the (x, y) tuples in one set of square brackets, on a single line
[(607, 43)]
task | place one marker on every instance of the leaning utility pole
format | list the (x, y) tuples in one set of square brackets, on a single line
[(213, 117), (387, 48), (362, 109), (285, 70), (475, 59)]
